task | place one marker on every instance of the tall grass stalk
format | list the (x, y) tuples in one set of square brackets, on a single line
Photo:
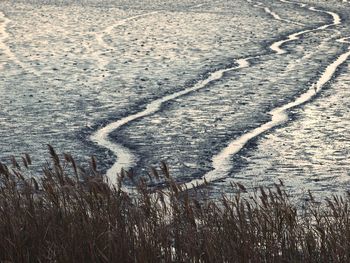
[(71, 214)]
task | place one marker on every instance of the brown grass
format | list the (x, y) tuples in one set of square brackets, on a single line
[(72, 215)]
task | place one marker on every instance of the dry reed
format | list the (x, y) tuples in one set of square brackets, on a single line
[(70, 214)]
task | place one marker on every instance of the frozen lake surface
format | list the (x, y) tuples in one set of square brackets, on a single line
[(231, 91)]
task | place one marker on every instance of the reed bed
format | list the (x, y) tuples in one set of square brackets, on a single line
[(71, 214)]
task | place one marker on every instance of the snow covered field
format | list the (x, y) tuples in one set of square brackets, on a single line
[(243, 91)]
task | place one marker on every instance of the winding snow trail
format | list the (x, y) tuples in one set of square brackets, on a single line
[(222, 161), (4, 35), (4, 21), (108, 30), (275, 15), (277, 46), (344, 40), (101, 57), (125, 159)]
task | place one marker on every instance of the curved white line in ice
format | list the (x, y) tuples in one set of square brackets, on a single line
[(344, 40), (275, 15), (126, 159), (101, 57), (108, 30), (295, 3), (222, 163), (199, 5), (4, 21), (276, 47)]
